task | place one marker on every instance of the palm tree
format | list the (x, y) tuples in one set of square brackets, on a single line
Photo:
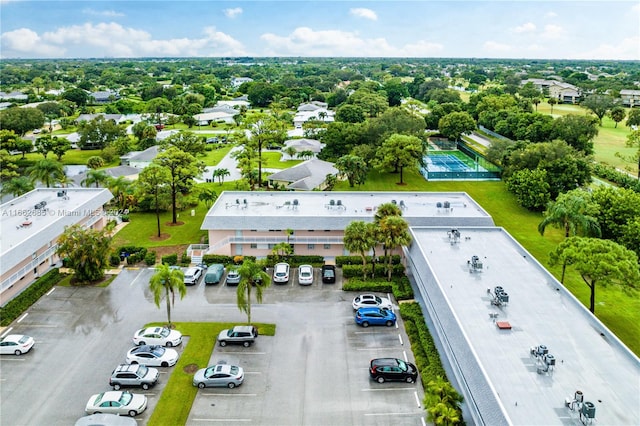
[(395, 233), (552, 102), (17, 186), (221, 174), (305, 154), (573, 212), (166, 282), (47, 171), (252, 274), (357, 238), (384, 210), (442, 402), (119, 187), (94, 177), (208, 195), (290, 151)]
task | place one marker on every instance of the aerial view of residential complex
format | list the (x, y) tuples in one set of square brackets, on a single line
[(319, 213)]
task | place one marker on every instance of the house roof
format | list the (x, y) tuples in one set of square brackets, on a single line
[(304, 145), (221, 108), (307, 175), (213, 116), (88, 117), (147, 155), (314, 115)]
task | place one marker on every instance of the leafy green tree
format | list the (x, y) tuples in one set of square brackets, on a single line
[(399, 152), (119, 187), (357, 238), (78, 96), (264, 130), (598, 104), (598, 261), (261, 93), (98, 133), (530, 188), (354, 168), (616, 208), (8, 167), (21, 120), (577, 130), (395, 233), (208, 196), (574, 212), (396, 91), (9, 140), (167, 282), (442, 402), (456, 124), (617, 114), (182, 167), (59, 146), (95, 162), (187, 142), (252, 275), (46, 171), (95, 177), (633, 141), (350, 113), (85, 251), (633, 118), (145, 133), (44, 144), (158, 107), (372, 103), (25, 146), (17, 186), (154, 180)]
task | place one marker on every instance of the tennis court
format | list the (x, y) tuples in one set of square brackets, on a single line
[(455, 164), (448, 163)]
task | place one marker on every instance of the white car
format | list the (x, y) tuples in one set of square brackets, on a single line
[(16, 344), (154, 356), (157, 336), (305, 274), (281, 273), (371, 301), (117, 402)]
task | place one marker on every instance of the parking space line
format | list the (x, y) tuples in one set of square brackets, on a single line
[(377, 348), (12, 359), (6, 331), (415, 393), (22, 317), (387, 389), (253, 372), (227, 394), (51, 291), (405, 356), (391, 414), (423, 421), (221, 420), (244, 353), (400, 338)]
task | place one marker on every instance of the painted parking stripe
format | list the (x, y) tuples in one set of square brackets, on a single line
[(415, 393), (51, 291), (6, 331), (377, 348), (388, 389), (221, 420), (22, 317), (12, 359), (243, 353), (228, 394), (391, 414)]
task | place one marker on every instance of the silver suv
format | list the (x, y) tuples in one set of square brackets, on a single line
[(243, 335), (134, 375)]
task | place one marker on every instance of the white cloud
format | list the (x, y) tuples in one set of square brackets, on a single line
[(525, 28), (553, 32), (305, 41), (495, 47), (107, 13), (627, 49), (114, 40), (27, 43), (233, 12), (361, 12), (551, 15)]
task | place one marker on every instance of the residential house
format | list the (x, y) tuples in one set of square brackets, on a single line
[(307, 176), (117, 118), (630, 98), (140, 159), (565, 92), (207, 118), (13, 96), (239, 81), (302, 145), (321, 114), (104, 96)]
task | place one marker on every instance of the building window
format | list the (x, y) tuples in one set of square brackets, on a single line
[(327, 246), (311, 246), (270, 246), (253, 230), (254, 245)]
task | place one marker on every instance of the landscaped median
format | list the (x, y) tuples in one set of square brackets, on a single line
[(179, 393)]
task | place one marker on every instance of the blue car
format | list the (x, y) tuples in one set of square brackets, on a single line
[(375, 316)]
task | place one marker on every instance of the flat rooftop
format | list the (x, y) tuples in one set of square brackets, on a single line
[(540, 311), (26, 228), (335, 210)]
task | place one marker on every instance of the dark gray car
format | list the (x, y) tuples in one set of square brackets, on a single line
[(243, 335)]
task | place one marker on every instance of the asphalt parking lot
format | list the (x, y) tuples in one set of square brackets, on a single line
[(314, 371)]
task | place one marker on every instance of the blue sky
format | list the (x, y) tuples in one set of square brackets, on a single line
[(483, 29)]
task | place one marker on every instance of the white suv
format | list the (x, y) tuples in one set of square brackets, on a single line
[(192, 275), (281, 273)]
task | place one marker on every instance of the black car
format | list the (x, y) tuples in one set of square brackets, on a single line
[(328, 274), (392, 369)]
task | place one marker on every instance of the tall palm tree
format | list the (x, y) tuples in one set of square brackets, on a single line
[(208, 195), (221, 174), (167, 282), (357, 238), (47, 171), (574, 212), (119, 187), (384, 210), (395, 233), (95, 177), (17, 186), (252, 274)]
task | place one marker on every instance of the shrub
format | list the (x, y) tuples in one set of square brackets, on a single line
[(217, 258), (150, 258), (114, 259), (170, 259), (350, 260), (296, 260), (184, 259), (125, 217), (351, 271), (15, 307), (400, 287), (238, 259)]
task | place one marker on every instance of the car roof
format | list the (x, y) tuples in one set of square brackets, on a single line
[(145, 348), (111, 396), (243, 328), (385, 361), (12, 338), (105, 419), (127, 367), (371, 309), (222, 368)]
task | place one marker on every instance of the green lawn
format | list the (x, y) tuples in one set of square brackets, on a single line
[(271, 160), (71, 157), (178, 395), (213, 157), (616, 309)]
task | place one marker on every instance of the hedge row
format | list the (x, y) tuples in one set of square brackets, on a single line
[(612, 175), (210, 259), (29, 296), (295, 260), (400, 287), (354, 271), (170, 259), (357, 260)]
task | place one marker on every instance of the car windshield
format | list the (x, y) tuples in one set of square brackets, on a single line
[(142, 370), (402, 365), (125, 399), (164, 332), (378, 299), (234, 369), (23, 339)]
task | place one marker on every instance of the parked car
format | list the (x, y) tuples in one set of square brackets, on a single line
[(219, 375), (117, 402), (305, 274), (243, 335), (157, 336), (371, 300), (281, 273), (233, 277), (214, 273), (16, 344), (388, 369), (192, 275), (103, 419), (134, 375), (156, 356), (375, 316), (328, 274)]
